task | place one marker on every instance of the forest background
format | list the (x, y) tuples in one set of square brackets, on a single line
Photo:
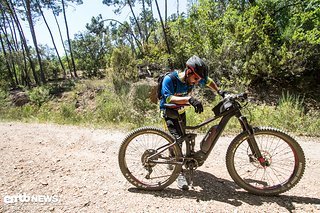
[(270, 48)]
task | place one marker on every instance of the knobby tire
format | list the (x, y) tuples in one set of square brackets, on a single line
[(135, 147), (286, 157)]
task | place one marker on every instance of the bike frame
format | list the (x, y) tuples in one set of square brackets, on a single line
[(225, 118), (160, 158)]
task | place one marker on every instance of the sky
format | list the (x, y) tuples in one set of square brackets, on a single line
[(79, 15)]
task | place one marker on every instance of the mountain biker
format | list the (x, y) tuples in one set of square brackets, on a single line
[(178, 92)]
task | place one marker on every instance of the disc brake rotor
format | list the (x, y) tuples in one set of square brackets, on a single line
[(146, 155)]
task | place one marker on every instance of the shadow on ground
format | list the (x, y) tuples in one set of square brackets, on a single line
[(222, 190)]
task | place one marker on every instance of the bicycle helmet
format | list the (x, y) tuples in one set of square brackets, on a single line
[(198, 66)]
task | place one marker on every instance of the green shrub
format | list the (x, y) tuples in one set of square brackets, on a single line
[(3, 99), (123, 63), (62, 86), (110, 108), (134, 110), (121, 86), (141, 98), (290, 112), (69, 115), (311, 124), (39, 95)]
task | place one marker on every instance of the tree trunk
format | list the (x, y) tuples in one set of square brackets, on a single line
[(163, 29), (136, 20), (34, 39), (11, 55), (25, 78), (132, 45), (145, 21), (178, 8), (14, 49), (165, 13), (12, 82), (52, 39), (153, 26), (64, 47), (10, 24), (13, 33), (69, 41), (23, 39), (139, 45)]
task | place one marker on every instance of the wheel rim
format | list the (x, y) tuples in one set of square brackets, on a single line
[(137, 152), (282, 161)]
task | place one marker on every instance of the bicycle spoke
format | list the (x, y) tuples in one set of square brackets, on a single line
[(146, 158), (276, 151)]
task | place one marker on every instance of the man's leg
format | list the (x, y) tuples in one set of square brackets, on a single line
[(177, 130), (174, 127)]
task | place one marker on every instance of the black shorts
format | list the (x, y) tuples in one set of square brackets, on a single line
[(171, 117)]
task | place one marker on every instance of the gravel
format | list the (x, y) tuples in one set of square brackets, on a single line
[(74, 169)]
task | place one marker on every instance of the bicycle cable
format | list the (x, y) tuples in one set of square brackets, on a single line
[(249, 112)]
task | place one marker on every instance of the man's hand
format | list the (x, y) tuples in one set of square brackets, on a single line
[(196, 104)]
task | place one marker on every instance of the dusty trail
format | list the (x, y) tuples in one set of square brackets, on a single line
[(77, 168)]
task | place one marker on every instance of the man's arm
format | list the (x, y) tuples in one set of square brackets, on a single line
[(185, 100), (168, 93), (179, 100), (212, 85)]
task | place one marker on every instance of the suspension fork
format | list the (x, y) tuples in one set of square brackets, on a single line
[(252, 141)]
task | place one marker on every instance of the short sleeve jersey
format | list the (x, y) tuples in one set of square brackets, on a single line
[(181, 89)]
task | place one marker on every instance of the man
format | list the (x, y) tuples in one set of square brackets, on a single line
[(176, 90)]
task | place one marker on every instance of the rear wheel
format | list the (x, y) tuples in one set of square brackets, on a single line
[(145, 160), (284, 162)]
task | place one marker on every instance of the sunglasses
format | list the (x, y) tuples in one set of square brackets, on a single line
[(197, 77)]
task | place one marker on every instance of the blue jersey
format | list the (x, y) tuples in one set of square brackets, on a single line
[(181, 89)]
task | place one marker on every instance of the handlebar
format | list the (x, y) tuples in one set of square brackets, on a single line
[(235, 97)]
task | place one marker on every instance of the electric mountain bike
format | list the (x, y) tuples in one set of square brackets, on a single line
[(261, 160)]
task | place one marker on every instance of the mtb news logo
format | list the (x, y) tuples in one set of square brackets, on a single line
[(26, 198)]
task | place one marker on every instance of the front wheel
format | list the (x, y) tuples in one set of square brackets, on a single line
[(149, 158), (283, 169)]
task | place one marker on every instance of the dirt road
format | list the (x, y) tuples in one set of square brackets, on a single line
[(53, 168)]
